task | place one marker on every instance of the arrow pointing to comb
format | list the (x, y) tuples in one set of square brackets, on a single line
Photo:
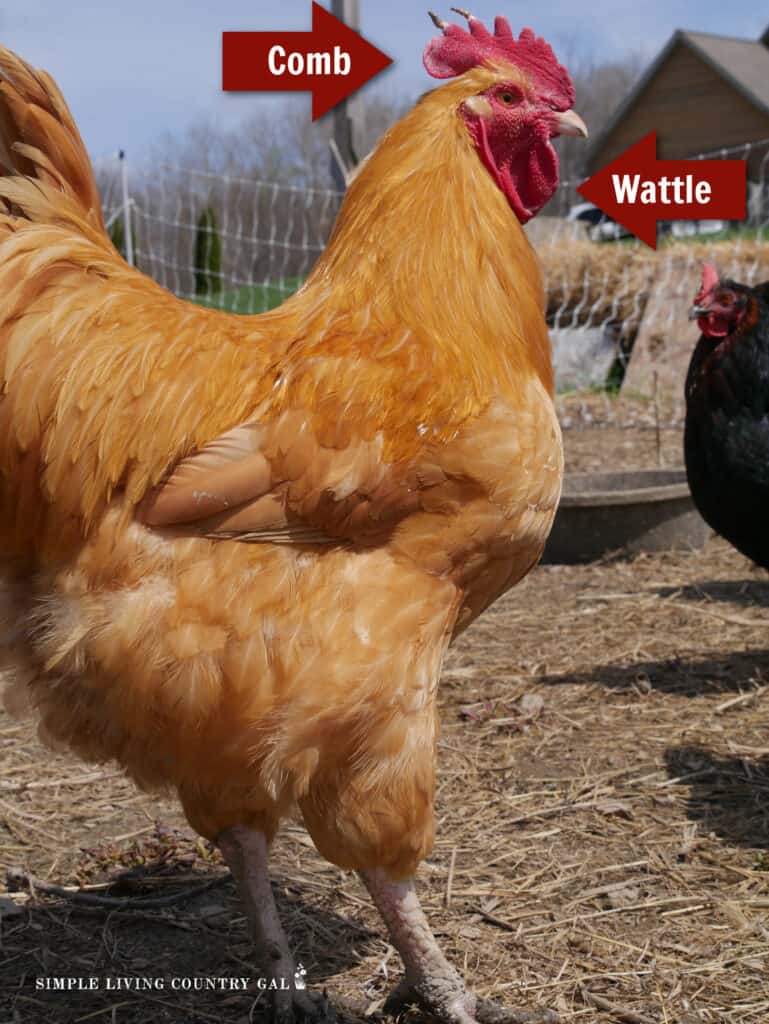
[(331, 61)]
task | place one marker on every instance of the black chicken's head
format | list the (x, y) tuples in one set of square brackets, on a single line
[(722, 306)]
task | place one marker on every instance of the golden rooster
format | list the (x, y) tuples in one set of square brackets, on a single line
[(235, 549)]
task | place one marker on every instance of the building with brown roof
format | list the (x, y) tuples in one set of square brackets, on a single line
[(703, 93)]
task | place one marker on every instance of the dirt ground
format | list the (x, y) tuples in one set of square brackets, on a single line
[(603, 822)]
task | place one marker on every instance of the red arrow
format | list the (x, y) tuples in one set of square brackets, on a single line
[(331, 61), (637, 189)]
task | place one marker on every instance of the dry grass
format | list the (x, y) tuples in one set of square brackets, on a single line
[(603, 834), (590, 283), (604, 431)]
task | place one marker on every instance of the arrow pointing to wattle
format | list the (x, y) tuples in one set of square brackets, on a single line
[(636, 190), (331, 61)]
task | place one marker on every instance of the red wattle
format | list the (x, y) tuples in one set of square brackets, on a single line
[(536, 170)]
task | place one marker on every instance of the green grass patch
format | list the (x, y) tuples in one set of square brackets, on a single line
[(256, 298)]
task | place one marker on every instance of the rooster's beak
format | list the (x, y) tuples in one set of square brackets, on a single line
[(696, 311), (570, 123)]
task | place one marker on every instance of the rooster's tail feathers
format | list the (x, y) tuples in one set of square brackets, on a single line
[(45, 174)]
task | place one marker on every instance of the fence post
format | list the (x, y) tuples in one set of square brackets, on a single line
[(345, 158), (129, 242)]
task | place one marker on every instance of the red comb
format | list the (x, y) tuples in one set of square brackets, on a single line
[(456, 51), (709, 278)]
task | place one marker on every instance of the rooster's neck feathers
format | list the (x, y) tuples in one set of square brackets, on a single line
[(428, 240)]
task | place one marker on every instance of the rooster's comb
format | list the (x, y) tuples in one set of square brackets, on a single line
[(456, 51)]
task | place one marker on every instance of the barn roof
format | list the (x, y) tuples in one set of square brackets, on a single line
[(744, 63)]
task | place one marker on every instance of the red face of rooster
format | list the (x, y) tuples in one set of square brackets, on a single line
[(719, 307), (512, 123), (512, 126)]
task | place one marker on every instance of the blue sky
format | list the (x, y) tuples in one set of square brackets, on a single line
[(134, 70)]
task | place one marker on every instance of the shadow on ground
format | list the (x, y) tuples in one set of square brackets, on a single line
[(733, 671), (137, 966), (748, 593), (727, 795)]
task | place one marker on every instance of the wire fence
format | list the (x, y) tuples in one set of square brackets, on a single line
[(221, 240), (616, 308)]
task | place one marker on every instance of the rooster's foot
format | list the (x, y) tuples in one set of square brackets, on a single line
[(443, 998), (294, 1007), (451, 1003), (431, 983)]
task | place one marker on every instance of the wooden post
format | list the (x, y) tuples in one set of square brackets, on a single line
[(344, 157), (129, 242), (657, 431)]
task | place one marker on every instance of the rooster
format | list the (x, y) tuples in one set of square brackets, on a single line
[(235, 549), (726, 437)]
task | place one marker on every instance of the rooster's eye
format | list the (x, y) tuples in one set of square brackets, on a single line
[(507, 98)]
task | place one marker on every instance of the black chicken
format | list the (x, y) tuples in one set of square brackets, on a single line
[(726, 439)]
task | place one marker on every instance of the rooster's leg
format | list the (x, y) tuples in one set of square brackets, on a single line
[(430, 980), (245, 851)]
